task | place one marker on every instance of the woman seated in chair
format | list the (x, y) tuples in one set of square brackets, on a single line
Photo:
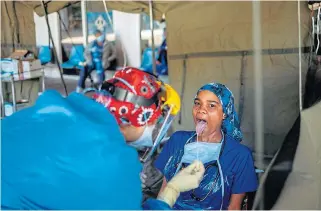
[(216, 143)]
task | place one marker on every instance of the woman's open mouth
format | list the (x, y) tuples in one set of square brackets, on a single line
[(200, 126), (200, 121)]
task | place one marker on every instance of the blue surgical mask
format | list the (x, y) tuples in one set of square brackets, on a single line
[(204, 152), (101, 38), (145, 140)]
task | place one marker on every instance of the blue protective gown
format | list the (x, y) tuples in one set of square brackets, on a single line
[(68, 153), (97, 55)]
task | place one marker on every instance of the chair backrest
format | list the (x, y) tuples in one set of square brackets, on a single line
[(77, 54), (44, 54), (147, 57)]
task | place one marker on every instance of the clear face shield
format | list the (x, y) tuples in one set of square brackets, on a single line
[(170, 107)]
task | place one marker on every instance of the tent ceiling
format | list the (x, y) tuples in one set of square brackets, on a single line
[(52, 6), (159, 7)]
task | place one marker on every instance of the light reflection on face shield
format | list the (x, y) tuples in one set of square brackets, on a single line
[(124, 121), (164, 126)]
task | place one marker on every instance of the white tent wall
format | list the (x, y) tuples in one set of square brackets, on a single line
[(42, 32), (214, 27)]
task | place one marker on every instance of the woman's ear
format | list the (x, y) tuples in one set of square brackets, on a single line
[(224, 116)]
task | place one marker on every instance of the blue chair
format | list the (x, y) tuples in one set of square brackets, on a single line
[(44, 54), (76, 56), (147, 60)]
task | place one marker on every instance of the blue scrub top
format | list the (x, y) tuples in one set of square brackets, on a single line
[(237, 166)]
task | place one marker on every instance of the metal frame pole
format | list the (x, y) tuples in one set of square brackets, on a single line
[(13, 93), (151, 20), (84, 22), (300, 56), (258, 89)]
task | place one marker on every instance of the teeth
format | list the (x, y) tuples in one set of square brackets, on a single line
[(201, 120)]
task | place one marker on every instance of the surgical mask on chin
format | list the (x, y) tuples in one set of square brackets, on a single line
[(145, 140), (205, 152), (202, 151)]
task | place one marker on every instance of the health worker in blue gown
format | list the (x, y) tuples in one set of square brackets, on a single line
[(69, 153)]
